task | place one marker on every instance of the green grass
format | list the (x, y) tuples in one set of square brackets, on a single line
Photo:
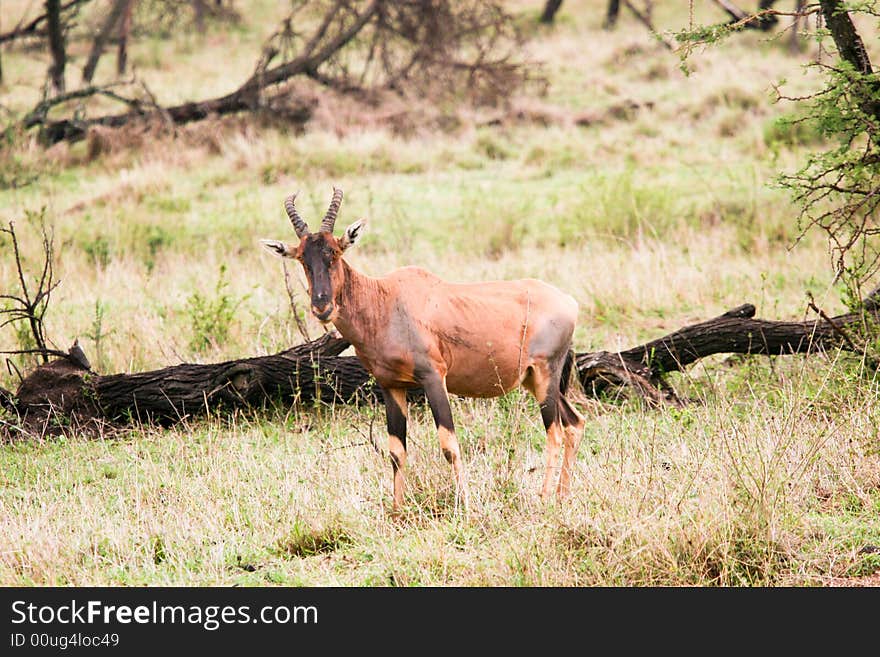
[(652, 218)]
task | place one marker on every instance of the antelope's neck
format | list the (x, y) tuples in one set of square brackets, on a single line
[(361, 307)]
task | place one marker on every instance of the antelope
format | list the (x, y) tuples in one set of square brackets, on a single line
[(412, 329)]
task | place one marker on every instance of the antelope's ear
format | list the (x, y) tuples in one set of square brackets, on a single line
[(352, 234), (278, 248)]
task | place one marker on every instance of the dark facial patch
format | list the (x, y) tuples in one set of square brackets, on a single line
[(319, 253)]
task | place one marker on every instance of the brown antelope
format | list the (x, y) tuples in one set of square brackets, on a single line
[(412, 329)]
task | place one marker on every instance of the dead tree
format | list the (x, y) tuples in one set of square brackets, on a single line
[(66, 391), (467, 47), (550, 9), (29, 304), (35, 27), (612, 14), (124, 33), (642, 14), (55, 32), (114, 16)]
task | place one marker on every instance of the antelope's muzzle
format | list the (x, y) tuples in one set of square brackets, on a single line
[(323, 313)]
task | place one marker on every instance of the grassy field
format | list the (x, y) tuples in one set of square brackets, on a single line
[(653, 216)]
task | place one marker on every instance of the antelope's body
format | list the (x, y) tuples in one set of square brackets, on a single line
[(413, 329), (483, 337)]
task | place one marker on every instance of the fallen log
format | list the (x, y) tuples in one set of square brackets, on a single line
[(66, 391), (734, 332)]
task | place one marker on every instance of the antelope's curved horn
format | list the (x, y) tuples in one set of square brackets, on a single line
[(330, 218), (300, 226)]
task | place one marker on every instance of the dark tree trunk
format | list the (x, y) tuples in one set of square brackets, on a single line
[(110, 23), (550, 9), (612, 14), (767, 23), (795, 43), (199, 8), (852, 49), (849, 43), (124, 32), (55, 32)]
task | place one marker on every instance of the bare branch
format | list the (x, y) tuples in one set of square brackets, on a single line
[(31, 309), (33, 29)]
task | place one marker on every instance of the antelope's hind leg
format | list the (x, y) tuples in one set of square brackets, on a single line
[(573, 428), (395, 414), (542, 380)]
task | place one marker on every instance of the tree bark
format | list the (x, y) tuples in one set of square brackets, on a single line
[(846, 38), (124, 32), (242, 100), (55, 31), (612, 14), (199, 9), (112, 20), (734, 332), (550, 9), (66, 388), (851, 49)]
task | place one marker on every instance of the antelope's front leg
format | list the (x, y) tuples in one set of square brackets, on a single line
[(395, 414), (438, 399)]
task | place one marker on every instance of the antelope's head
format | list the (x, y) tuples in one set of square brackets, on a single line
[(320, 254)]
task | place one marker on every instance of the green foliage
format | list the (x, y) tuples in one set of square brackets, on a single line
[(155, 238), (305, 540), (98, 334), (838, 189), (211, 318), (98, 250), (796, 129)]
